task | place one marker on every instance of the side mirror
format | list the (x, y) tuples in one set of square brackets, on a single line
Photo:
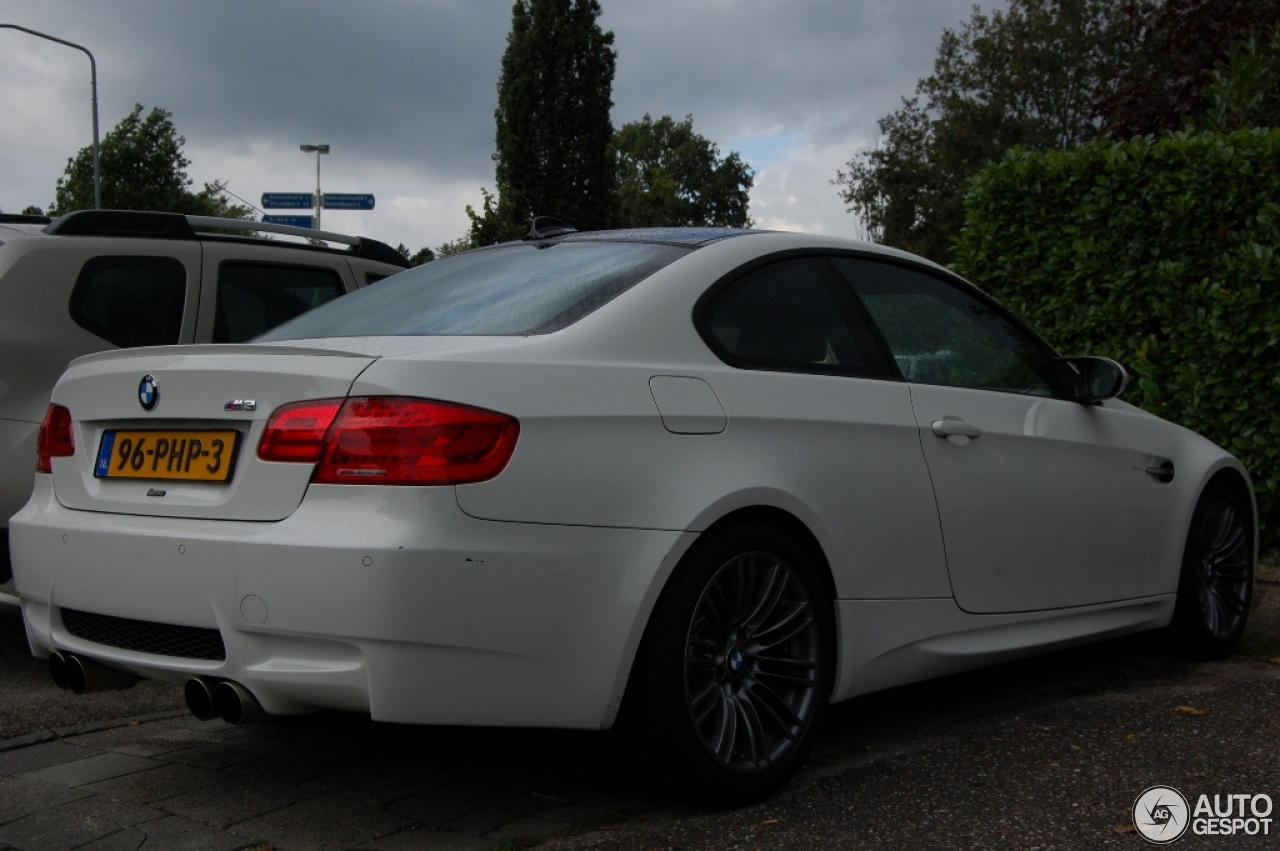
[(1092, 379)]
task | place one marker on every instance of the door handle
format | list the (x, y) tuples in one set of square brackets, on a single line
[(1162, 472), (956, 428)]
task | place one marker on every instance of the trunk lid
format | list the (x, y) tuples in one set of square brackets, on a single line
[(194, 384)]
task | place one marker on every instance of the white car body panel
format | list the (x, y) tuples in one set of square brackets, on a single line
[(452, 621), (886, 643), (193, 390), (522, 600), (1016, 500), (39, 339)]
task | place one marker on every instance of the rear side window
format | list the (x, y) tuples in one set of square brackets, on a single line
[(528, 288), (792, 316), (253, 298), (131, 301)]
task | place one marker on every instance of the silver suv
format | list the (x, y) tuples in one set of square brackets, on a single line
[(104, 279)]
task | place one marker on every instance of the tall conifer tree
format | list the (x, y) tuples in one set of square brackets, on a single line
[(553, 122)]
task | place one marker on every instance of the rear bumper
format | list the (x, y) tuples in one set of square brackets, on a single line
[(386, 600)]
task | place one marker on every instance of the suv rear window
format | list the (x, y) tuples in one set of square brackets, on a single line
[(508, 290), (256, 297), (131, 301)]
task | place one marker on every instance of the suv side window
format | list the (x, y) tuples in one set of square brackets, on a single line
[(253, 298), (941, 335), (793, 316), (131, 301)]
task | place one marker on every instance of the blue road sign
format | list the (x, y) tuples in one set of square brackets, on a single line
[(288, 200), (295, 221), (334, 201)]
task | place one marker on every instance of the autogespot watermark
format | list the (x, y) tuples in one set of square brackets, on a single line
[(1161, 815)]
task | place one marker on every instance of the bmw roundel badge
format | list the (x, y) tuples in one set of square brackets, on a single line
[(148, 393)]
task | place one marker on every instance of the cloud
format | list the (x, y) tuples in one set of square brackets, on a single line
[(404, 91)]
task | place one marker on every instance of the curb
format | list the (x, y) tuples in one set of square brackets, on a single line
[(42, 736)]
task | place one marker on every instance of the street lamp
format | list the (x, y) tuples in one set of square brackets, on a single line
[(318, 150), (93, 81)]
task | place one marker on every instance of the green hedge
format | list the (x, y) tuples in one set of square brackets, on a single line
[(1161, 254)]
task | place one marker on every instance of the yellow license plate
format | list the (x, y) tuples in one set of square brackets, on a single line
[(190, 456)]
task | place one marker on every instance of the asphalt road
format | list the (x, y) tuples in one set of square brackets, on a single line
[(1045, 753)]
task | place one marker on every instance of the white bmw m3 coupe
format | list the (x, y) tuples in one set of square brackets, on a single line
[(716, 479)]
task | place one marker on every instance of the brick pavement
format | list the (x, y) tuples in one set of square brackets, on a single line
[(324, 782)]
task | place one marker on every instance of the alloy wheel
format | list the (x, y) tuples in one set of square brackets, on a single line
[(1223, 569), (751, 662)]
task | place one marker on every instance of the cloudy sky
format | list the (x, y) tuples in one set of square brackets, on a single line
[(404, 91)]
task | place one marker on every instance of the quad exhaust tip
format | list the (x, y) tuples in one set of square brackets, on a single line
[(58, 670), (235, 704), (209, 698), (206, 698), (199, 694), (82, 675)]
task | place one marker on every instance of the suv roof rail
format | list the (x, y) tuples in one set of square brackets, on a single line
[(23, 219), (122, 223), (137, 223), (206, 222), (361, 246)]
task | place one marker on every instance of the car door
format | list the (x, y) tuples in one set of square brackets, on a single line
[(250, 289), (65, 297), (1044, 502), (815, 408)]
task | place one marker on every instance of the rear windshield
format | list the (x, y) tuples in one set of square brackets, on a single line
[(508, 290)]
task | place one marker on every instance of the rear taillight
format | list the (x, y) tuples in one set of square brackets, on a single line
[(55, 439), (391, 441), (296, 432)]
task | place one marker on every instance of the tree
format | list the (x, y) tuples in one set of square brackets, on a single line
[(1245, 92), (1173, 49), (1026, 76), (457, 246), (142, 168), (669, 176), (553, 126), (418, 258)]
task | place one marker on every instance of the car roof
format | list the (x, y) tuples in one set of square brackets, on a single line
[(685, 237), (688, 236)]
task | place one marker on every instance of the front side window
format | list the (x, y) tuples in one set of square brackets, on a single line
[(253, 298), (941, 335), (792, 316), (131, 301), (528, 288)]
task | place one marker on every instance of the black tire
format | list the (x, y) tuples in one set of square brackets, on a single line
[(6, 572), (1215, 589), (736, 668)]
